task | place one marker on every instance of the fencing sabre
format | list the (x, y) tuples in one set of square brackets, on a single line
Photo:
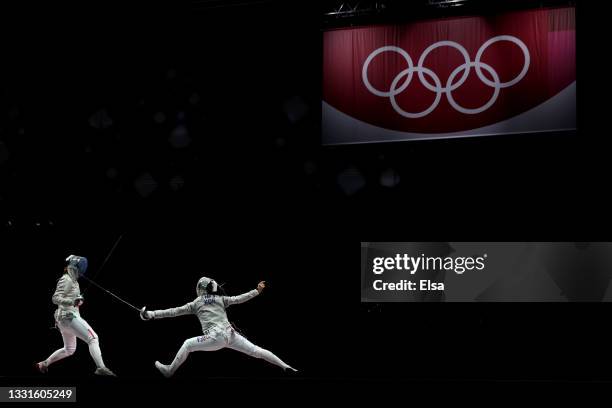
[(91, 281), (110, 293), (103, 263)]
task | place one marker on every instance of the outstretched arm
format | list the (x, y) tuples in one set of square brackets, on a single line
[(172, 312), (234, 300)]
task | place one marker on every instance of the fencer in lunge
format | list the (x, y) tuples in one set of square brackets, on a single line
[(218, 333), (68, 318)]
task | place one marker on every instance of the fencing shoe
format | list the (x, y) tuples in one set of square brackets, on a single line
[(104, 371), (163, 369)]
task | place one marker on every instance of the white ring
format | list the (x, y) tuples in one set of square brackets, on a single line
[(484, 107), (510, 38), (364, 71), (453, 44), (427, 111)]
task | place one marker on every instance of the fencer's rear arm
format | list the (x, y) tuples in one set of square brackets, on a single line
[(64, 286), (234, 300), (175, 311)]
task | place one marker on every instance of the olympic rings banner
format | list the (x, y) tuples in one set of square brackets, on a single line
[(453, 77)]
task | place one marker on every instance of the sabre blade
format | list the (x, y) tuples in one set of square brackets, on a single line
[(104, 262), (111, 293)]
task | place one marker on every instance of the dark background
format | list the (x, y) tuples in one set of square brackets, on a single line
[(193, 130)]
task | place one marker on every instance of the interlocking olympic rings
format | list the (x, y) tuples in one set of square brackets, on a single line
[(408, 73)]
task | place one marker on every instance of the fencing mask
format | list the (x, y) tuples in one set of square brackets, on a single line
[(206, 286), (77, 264)]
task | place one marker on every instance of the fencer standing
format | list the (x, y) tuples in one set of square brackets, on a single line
[(68, 318)]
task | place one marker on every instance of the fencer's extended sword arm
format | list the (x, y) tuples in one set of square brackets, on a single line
[(234, 300), (63, 287), (174, 311)]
